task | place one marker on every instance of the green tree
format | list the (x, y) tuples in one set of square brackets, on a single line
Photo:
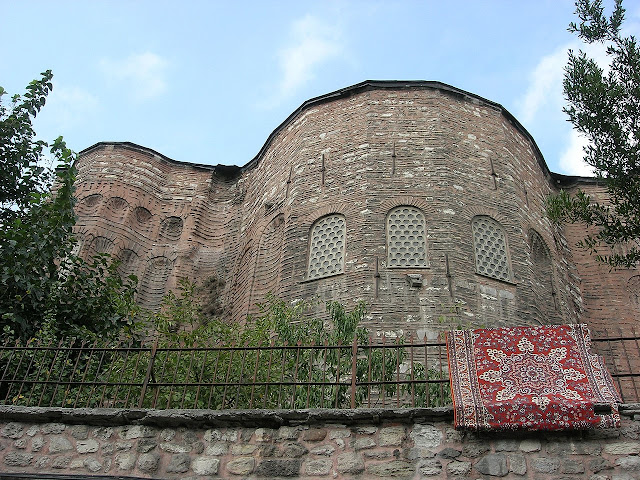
[(42, 282), (605, 107), (22, 174)]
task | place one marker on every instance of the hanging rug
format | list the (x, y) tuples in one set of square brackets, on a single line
[(532, 378)]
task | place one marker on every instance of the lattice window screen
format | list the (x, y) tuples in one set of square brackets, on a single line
[(406, 242), (491, 248), (326, 250)]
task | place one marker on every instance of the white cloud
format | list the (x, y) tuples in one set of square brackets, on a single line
[(67, 108), (144, 74), (312, 44), (545, 81), (543, 101), (71, 105), (545, 84), (632, 21), (571, 160)]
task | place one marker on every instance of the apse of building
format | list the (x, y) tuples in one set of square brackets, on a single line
[(422, 200)]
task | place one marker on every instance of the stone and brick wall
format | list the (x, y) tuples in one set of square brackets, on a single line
[(611, 295), (359, 153), (408, 444)]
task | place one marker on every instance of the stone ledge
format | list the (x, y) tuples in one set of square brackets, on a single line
[(220, 418), (629, 409), (232, 418)]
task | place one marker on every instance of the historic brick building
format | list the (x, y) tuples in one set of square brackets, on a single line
[(421, 199)]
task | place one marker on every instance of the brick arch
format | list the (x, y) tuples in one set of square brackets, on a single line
[(390, 203), (129, 262), (90, 204), (551, 245), (255, 230), (141, 220), (240, 289), (154, 282), (247, 261), (131, 254), (115, 208), (84, 237), (535, 236), (171, 228), (141, 215), (472, 211), (337, 209), (185, 264), (268, 260), (542, 277), (100, 244), (169, 252)]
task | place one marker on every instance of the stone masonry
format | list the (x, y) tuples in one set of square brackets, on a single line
[(412, 444), (358, 154)]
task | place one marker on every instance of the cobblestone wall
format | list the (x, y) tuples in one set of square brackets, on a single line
[(408, 444)]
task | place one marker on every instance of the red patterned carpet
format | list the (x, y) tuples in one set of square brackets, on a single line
[(533, 378)]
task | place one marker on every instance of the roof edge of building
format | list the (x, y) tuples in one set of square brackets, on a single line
[(233, 170)]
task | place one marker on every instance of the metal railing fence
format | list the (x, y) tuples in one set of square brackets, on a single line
[(621, 351), (270, 376), (374, 373)]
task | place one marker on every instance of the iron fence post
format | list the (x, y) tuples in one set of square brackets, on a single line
[(354, 370), (149, 371)]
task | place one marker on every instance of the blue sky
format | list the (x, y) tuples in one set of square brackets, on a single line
[(208, 81)]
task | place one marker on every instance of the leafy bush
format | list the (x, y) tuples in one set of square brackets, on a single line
[(263, 363), (281, 358)]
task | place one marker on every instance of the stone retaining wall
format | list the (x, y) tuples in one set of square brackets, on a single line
[(417, 443)]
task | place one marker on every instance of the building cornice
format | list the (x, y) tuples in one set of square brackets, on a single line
[(228, 171)]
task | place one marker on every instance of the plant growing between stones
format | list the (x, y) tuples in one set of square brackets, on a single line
[(452, 316)]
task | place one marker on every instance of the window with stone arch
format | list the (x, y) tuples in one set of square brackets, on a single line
[(326, 247), (490, 247), (633, 288), (406, 237), (542, 276)]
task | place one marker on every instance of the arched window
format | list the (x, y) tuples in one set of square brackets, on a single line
[(128, 262), (171, 228), (406, 242), (154, 282), (326, 248), (490, 247), (101, 245), (633, 288), (542, 276)]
